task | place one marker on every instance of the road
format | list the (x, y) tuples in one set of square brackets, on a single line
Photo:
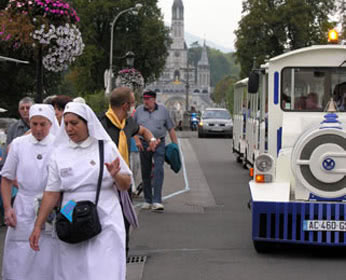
[(214, 241)]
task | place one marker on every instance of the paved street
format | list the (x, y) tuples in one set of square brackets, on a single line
[(205, 233)]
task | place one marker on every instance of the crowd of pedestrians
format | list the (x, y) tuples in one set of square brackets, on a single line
[(53, 161)]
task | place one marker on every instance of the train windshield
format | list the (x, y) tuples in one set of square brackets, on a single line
[(309, 89)]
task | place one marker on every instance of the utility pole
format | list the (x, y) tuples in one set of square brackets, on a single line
[(187, 86)]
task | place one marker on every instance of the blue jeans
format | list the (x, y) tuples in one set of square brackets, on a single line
[(156, 181)]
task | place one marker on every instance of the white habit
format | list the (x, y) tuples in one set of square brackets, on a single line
[(74, 169), (27, 162)]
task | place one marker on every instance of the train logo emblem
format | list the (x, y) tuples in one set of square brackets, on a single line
[(328, 164)]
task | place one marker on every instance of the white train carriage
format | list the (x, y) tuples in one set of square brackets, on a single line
[(239, 118), (298, 192)]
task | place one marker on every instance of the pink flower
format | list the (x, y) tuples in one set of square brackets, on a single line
[(8, 37)]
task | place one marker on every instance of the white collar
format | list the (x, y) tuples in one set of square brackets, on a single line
[(44, 142), (84, 144)]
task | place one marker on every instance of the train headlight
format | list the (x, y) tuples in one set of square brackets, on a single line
[(264, 163)]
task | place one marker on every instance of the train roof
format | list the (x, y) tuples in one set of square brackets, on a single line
[(307, 49)]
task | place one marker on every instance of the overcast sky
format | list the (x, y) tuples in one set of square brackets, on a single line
[(214, 20)]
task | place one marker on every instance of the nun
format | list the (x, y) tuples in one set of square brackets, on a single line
[(27, 162), (74, 170)]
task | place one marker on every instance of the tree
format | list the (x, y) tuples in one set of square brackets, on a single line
[(269, 27), (342, 13), (44, 32), (144, 34), (223, 92)]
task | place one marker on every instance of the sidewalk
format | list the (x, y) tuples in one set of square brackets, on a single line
[(184, 193)]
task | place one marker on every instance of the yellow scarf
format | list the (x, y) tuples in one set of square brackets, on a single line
[(122, 144)]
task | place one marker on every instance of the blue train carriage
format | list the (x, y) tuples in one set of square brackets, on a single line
[(298, 191)]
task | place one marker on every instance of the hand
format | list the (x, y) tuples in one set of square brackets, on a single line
[(34, 238), (153, 145), (139, 145), (10, 217), (113, 167)]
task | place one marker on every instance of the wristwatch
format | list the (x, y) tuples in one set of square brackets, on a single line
[(153, 139)]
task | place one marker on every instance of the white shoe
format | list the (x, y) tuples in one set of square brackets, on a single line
[(146, 206), (157, 207)]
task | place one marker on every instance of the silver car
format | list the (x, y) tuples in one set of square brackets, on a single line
[(215, 121)]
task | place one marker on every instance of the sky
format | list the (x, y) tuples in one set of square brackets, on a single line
[(214, 20)]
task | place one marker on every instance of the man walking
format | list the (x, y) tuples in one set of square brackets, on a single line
[(121, 127), (156, 118)]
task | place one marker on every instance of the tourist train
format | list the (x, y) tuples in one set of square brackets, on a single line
[(290, 129)]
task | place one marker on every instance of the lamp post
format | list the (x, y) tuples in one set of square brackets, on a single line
[(130, 59), (135, 10)]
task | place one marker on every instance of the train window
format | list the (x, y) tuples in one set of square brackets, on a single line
[(309, 89)]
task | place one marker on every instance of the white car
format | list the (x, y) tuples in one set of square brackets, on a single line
[(215, 121)]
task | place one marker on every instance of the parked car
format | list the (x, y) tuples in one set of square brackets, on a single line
[(215, 121)]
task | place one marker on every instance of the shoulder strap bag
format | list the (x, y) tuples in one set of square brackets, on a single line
[(85, 220)]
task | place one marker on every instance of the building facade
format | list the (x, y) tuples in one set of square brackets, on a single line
[(182, 84)]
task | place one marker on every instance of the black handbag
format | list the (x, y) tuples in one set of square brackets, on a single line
[(85, 220)]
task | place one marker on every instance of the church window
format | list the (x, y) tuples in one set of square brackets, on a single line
[(176, 75)]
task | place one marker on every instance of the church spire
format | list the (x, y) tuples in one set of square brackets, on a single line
[(204, 57), (178, 10)]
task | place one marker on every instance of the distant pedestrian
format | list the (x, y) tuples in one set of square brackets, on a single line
[(120, 126), (154, 117), (22, 125), (27, 162), (59, 102)]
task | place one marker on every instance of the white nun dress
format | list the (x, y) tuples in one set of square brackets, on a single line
[(74, 170), (27, 161)]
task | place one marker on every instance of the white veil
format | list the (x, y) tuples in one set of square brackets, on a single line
[(47, 111), (95, 128)]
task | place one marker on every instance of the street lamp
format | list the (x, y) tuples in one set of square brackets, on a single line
[(135, 11), (130, 59)]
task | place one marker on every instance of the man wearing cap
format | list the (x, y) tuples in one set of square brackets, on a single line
[(154, 117), (27, 161)]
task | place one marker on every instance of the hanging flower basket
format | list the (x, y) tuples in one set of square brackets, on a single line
[(48, 24), (131, 78)]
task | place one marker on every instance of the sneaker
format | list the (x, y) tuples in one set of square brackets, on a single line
[(146, 206), (158, 207)]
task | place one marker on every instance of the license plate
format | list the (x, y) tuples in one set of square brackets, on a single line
[(324, 225), (217, 128)]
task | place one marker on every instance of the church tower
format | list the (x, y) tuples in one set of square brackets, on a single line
[(177, 25), (203, 69)]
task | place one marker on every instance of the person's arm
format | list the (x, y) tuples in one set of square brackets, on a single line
[(149, 137), (6, 193), (122, 181), (138, 143), (49, 201), (173, 136)]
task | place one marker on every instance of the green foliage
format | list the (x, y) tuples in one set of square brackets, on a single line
[(221, 64), (223, 92), (97, 101), (144, 34), (268, 27)]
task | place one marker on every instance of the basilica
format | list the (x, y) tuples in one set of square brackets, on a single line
[(180, 80)]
